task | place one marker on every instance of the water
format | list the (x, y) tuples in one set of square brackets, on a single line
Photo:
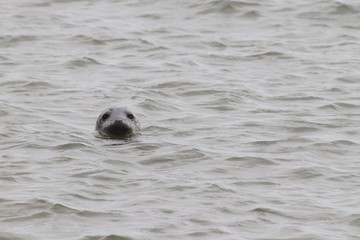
[(250, 114)]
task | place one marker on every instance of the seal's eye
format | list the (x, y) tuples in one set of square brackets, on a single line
[(105, 116), (130, 116)]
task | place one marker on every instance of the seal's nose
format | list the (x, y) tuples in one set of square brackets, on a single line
[(120, 124), (119, 129)]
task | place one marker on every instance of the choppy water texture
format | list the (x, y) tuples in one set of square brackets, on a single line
[(250, 113)]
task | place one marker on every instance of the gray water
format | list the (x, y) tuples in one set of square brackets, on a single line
[(250, 114)]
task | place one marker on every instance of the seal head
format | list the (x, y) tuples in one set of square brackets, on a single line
[(117, 123)]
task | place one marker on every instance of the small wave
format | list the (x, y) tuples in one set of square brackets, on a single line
[(328, 107), (107, 237), (13, 236), (138, 44), (224, 7), (222, 57), (349, 79), (70, 146), (355, 220), (13, 40), (7, 179), (269, 54), (337, 146), (151, 104), (201, 92), (39, 85), (305, 173), (220, 7), (28, 85), (341, 143), (255, 183), (339, 106), (344, 9), (86, 174), (82, 197), (265, 143), (300, 98), (328, 12), (268, 211), (302, 129), (335, 90), (211, 44), (97, 215), (6, 61), (154, 129), (171, 85), (62, 209), (251, 14), (82, 62), (175, 158), (150, 16), (251, 161), (204, 234), (88, 40), (30, 217), (348, 105)]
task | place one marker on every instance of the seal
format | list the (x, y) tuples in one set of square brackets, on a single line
[(117, 123)]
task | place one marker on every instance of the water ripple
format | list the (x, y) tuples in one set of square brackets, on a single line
[(249, 114)]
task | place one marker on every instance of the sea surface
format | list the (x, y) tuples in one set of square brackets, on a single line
[(250, 115)]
